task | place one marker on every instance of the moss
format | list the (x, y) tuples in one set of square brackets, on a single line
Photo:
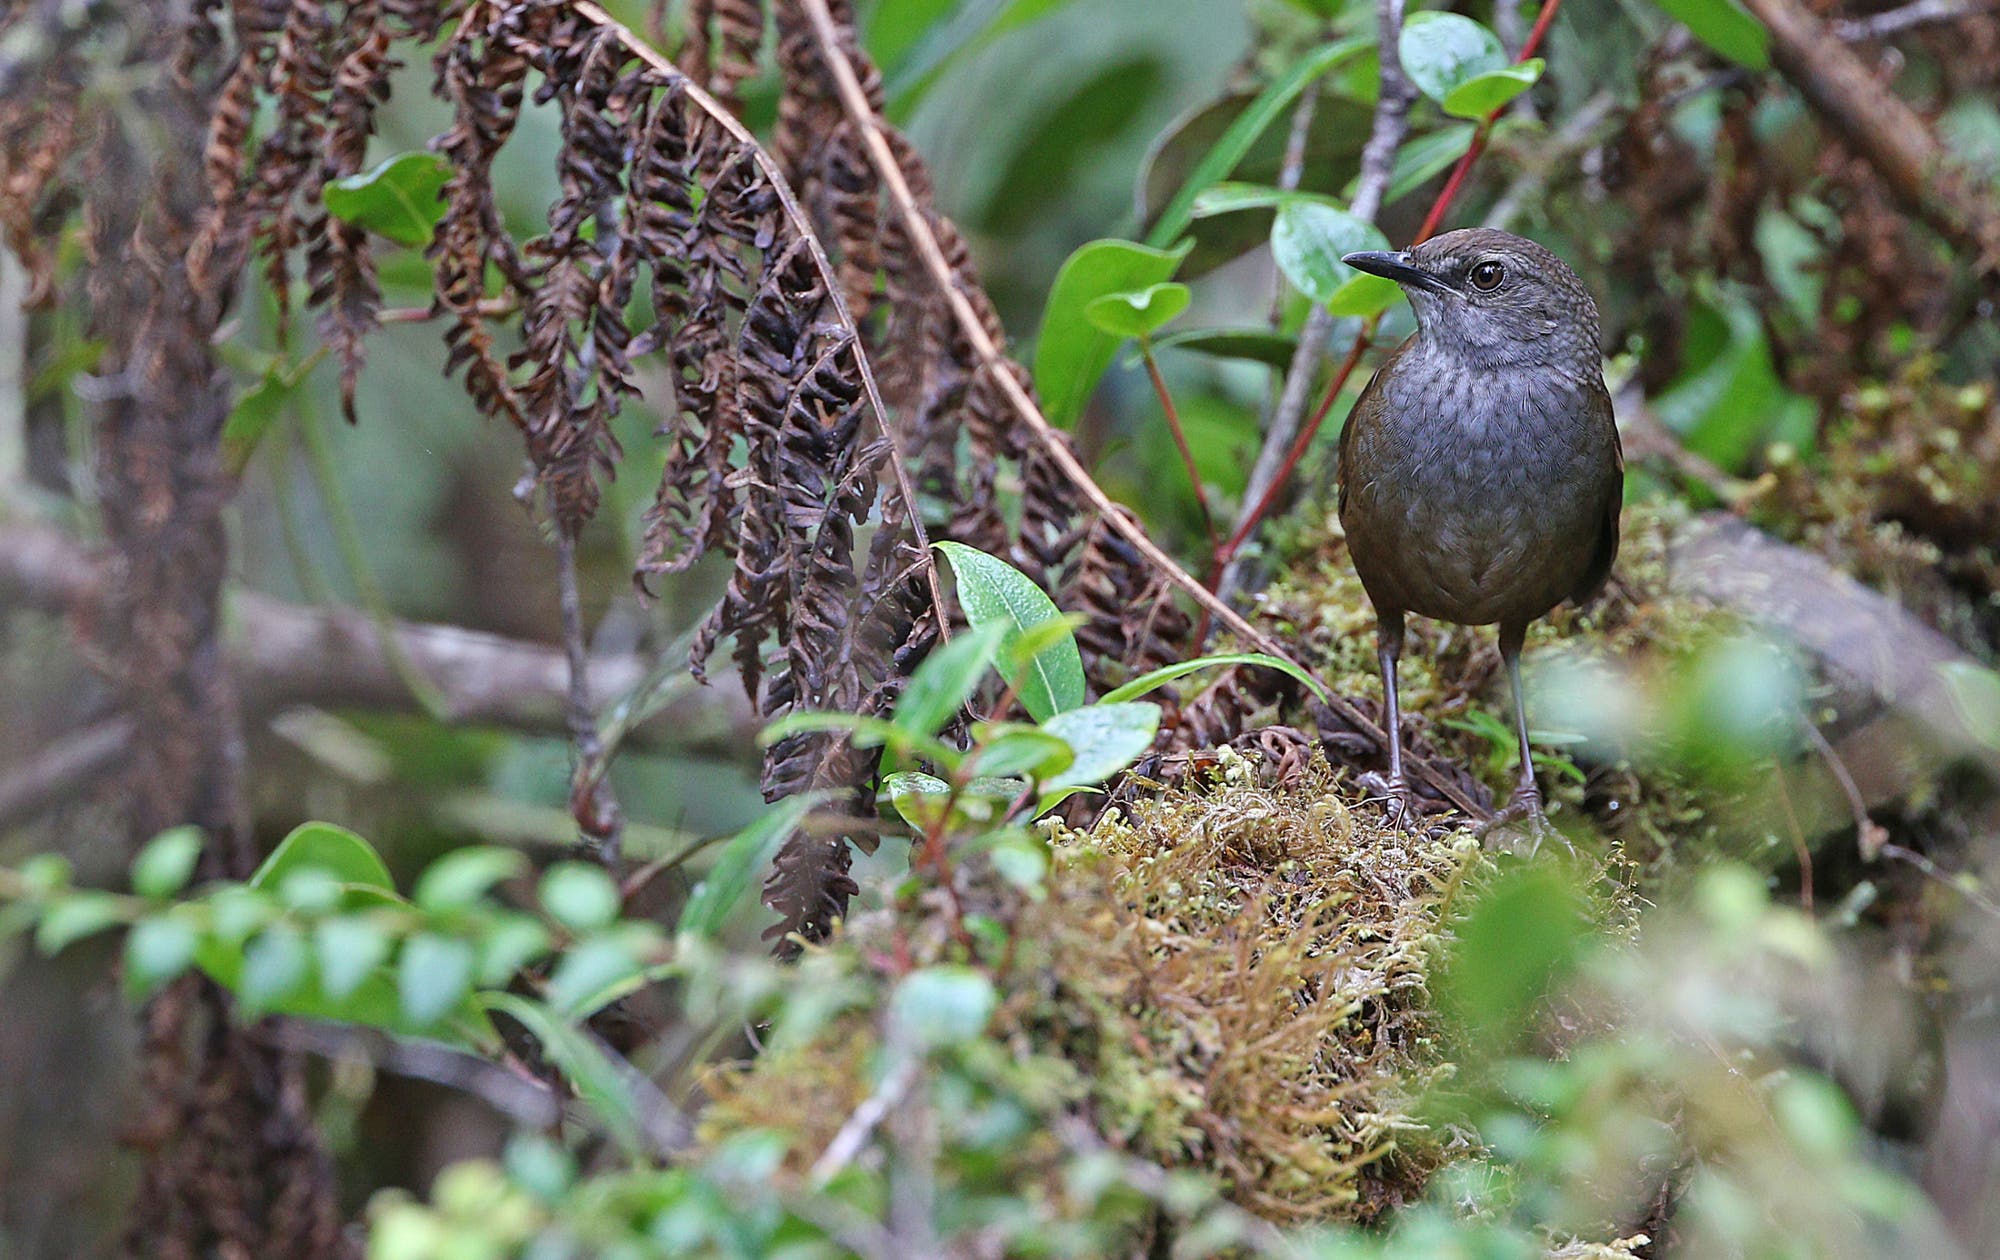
[(1228, 979), (1901, 495)]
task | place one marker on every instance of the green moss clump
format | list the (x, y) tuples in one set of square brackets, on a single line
[(1228, 979)]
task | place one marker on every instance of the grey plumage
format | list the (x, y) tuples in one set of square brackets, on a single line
[(1480, 474)]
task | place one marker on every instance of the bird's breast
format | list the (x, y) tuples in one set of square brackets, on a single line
[(1476, 496)]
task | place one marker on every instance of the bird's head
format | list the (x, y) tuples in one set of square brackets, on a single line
[(1493, 300)]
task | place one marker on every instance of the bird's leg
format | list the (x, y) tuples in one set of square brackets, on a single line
[(1527, 798), (1396, 789), (1526, 804)]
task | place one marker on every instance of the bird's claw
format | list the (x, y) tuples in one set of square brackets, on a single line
[(1400, 808), (1520, 826)]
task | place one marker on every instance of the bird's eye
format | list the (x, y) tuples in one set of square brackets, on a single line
[(1486, 276)]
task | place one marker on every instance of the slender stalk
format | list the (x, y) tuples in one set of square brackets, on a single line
[(1180, 440)]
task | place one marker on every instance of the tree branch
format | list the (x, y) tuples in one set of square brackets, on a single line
[(281, 654)]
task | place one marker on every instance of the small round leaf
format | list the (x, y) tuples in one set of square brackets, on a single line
[(579, 896)]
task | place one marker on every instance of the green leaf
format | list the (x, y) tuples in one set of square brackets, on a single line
[(715, 901), (167, 862), (918, 797), (1975, 698), (580, 896), (940, 1006), (1726, 27), (256, 409), (946, 680), (1423, 159), (1440, 51), (1230, 198), (349, 950), (1258, 345), (507, 943), (1236, 142), (585, 972), (275, 966), (402, 199), (462, 877), (1506, 952), (1483, 93), (1070, 353), (323, 846), (1106, 738), (1138, 313), (433, 976), (1022, 860), (1167, 673), (157, 951), (994, 592), (1732, 399), (1024, 750), (1364, 295), (76, 916), (1309, 238)]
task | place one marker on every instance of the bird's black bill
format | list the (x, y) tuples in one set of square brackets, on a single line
[(1391, 265)]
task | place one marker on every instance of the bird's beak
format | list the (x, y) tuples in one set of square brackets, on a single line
[(1393, 265)]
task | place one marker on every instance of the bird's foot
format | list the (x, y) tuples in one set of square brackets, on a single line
[(1401, 810), (1520, 826)]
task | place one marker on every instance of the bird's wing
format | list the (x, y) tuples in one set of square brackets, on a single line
[(1607, 532), (1357, 417)]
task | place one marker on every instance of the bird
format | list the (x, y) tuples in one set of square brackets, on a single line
[(1479, 475)]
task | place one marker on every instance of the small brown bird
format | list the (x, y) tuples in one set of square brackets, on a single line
[(1480, 473)]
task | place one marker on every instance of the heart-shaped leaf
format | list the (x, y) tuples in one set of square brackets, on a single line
[(1071, 353)]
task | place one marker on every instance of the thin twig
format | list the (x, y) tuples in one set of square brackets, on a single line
[(62, 769), (1957, 884), (788, 201), (1180, 441), (1869, 835), (516, 1095), (1910, 16), (1576, 134), (854, 99), (591, 801), (854, 1134)]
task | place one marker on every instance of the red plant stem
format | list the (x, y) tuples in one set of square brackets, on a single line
[(1301, 442), (1180, 440), (1435, 216)]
